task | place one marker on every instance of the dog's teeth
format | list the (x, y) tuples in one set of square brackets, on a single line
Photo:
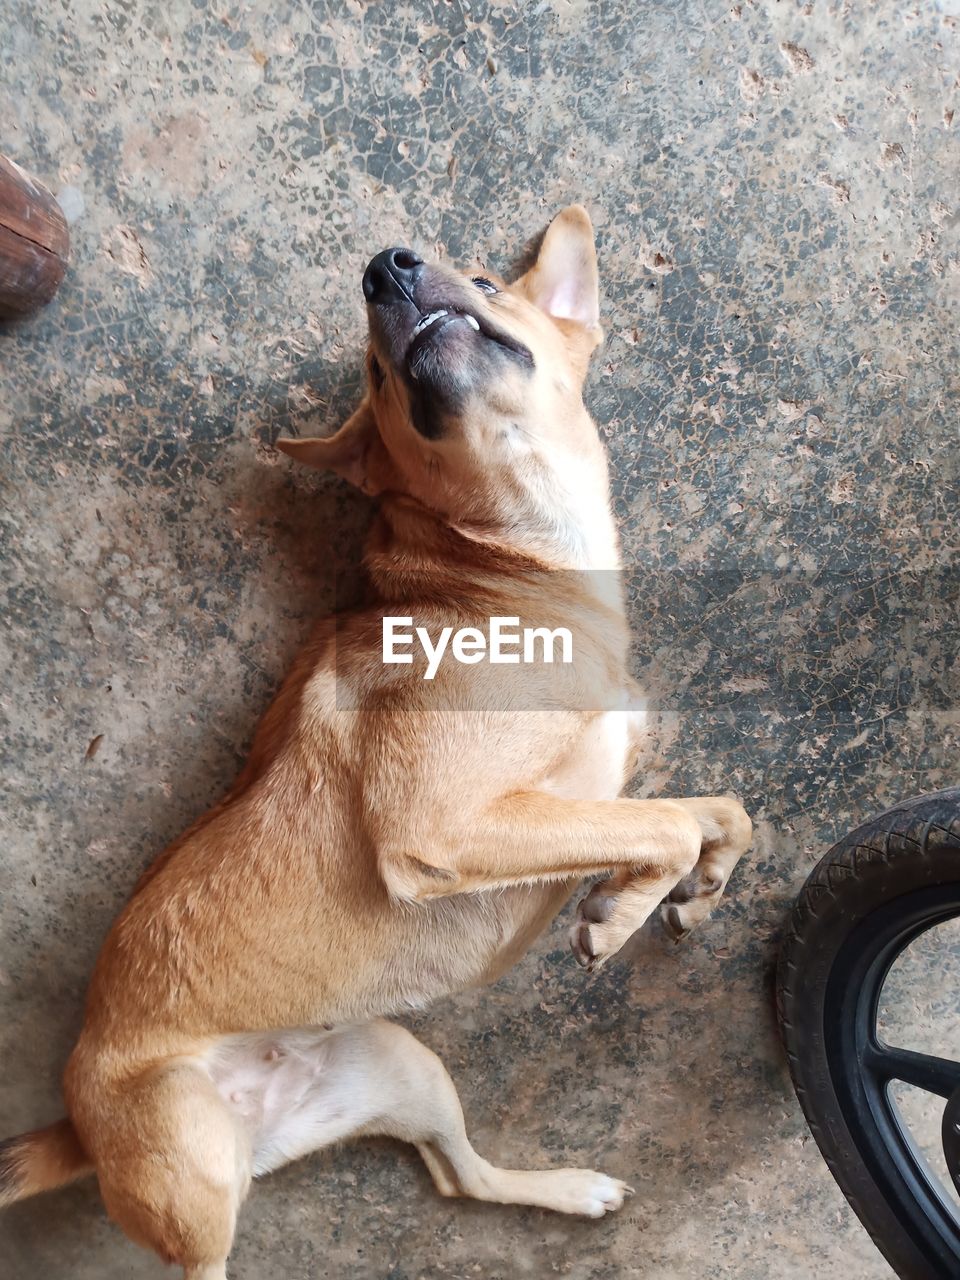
[(472, 323), (426, 321)]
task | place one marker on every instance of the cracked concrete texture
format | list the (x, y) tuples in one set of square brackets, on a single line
[(774, 189)]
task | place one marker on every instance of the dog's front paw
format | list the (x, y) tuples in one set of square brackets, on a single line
[(597, 933), (692, 901)]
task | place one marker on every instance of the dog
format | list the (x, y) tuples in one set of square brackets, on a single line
[(391, 838)]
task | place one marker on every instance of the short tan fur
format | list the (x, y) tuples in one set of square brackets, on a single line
[(235, 1018)]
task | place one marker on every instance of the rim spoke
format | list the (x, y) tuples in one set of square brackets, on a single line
[(936, 1075)]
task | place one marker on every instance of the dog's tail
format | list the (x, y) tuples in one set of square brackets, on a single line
[(40, 1160)]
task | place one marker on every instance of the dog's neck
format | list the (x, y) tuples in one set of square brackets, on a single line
[(411, 543), (552, 526), (554, 498), (413, 548), (561, 512), (550, 504)]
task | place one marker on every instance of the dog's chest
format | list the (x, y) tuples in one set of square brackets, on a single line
[(600, 760)]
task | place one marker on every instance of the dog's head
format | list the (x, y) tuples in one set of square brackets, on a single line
[(475, 385)]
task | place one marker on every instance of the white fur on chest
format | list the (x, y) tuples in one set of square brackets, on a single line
[(599, 762)]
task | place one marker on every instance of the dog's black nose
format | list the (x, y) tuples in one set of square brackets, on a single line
[(391, 275)]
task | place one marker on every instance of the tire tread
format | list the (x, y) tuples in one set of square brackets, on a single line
[(871, 851)]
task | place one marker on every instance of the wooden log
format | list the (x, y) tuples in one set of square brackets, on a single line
[(34, 242)]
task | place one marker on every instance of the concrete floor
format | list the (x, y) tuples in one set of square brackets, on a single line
[(775, 191)]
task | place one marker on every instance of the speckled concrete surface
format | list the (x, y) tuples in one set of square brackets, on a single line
[(774, 187)]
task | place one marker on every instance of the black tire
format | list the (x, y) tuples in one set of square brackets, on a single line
[(875, 892)]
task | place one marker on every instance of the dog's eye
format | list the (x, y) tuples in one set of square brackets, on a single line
[(376, 372), (484, 285)]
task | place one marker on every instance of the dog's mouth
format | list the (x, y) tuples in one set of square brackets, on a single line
[(436, 325), (425, 324)]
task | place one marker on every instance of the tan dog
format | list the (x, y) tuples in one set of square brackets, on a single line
[(232, 1022)]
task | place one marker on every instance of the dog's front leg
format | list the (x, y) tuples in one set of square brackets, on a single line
[(532, 836), (649, 845)]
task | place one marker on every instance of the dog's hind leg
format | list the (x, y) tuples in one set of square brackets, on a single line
[(174, 1166), (379, 1079), (431, 1117)]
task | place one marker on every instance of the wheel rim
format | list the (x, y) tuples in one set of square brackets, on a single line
[(863, 1068), (950, 1135)]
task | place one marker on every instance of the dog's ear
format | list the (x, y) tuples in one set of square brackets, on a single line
[(355, 452), (563, 280)]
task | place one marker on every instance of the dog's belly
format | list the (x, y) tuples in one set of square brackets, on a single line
[(283, 1088)]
